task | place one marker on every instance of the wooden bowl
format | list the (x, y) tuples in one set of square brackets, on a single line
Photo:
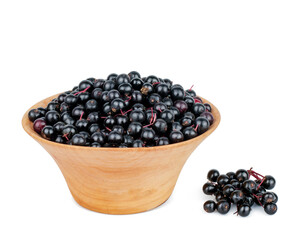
[(119, 180)]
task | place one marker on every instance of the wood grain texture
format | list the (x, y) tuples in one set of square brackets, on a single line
[(120, 180)]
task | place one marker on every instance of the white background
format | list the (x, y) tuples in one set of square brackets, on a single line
[(246, 57)]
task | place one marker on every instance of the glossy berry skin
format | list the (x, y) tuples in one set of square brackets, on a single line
[(122, 78), (69, 131), (53, 106), (162, 141), (227, 190), (219, 196), (209, 188), (98, 137), (81, 125), (209, 116), (137, 83), (128, 140), (83, 97), (84, 85), (95, 144), (93, 117), (177, 93), (189, 101), (269, 182), (176, 113), (122, 120), (39, 124), (117, 104), (118, 129), (176, 126), (167, 115), (109, 122), (71, 99), (52, 117), (147, 134), (275, 200), (134, 129), (64, 107), (59, 139), (235, 183), (138, 143), (78, 111), (249, 186), (208, 107), (209, 206), (34, 114), (167, 101), (244, 210), (202, 124), (181, 106), (222, 180), (139, 106), (109, 85), (106, 109), (78, 140), (162, 89), (242, 175), (231, 175), (48, 132), (98, 83), (112, 77), (270, 208), (134, 74), (191, 92), (160, 107), (146, 89), (96, 94), (112, 94), (125, 89), (115, 138), (198, 109), (212, 175), (186, 122), (137, 116), (267, 197), (160, 126), (137, 97), (176, 136), (223, 206), (154, 98), (189, 133), (249, 200), (237, 196)]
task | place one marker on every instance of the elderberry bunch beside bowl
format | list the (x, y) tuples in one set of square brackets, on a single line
[(121, 142), (239, 189)]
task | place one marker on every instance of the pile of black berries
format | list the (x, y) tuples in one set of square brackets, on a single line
[(123, 111), (237, 188)]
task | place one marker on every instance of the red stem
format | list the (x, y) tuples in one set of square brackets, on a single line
[(82, 91), (128, 99), (66, 137), (81, 115), (257, 197), (191, 87)]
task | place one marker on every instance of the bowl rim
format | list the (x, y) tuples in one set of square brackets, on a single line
[(28, 127)]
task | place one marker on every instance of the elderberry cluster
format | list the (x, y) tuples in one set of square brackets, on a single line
[(124, 110), (237, 188)]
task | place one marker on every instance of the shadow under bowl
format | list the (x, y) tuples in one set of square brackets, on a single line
[(120, 180)]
